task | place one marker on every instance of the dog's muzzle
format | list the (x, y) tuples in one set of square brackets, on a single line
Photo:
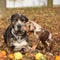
[(19, 26)]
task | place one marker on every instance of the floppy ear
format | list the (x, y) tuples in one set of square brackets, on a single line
[(9, 20), (12, 17), (32, 27), (26, 19)]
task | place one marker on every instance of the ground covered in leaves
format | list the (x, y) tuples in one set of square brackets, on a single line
[(48, 18)]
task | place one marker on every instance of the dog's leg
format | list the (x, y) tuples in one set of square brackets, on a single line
[(9, 46), (6, 48), (50, 37), (49, 42)]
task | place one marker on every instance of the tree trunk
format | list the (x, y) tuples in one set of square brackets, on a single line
[(50, 3), (2, 8)]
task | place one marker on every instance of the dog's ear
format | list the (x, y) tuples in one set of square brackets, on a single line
[(9, 20), (12, 17), (23, 17)]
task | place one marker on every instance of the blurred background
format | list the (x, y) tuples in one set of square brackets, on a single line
[(11, 4), (31, 3)]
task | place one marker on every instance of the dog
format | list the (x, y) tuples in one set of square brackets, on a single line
[(15, 37), (41, 34)]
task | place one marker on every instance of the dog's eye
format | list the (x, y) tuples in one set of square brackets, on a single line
[(15, 20), (22, 19)]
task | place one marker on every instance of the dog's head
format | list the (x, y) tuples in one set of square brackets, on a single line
[(18, 21)]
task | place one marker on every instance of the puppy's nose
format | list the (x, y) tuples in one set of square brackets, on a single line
[(19, 26)]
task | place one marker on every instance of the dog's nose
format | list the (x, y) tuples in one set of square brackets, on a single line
[(19, 26)]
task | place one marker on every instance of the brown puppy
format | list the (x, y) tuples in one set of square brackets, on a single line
[(39, 33)]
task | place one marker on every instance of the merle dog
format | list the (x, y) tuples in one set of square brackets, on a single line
[(15, 37)]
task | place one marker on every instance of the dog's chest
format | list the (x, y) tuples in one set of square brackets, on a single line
[(19, 43)]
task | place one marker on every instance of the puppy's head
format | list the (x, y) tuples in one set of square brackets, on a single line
[(17, 21)]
